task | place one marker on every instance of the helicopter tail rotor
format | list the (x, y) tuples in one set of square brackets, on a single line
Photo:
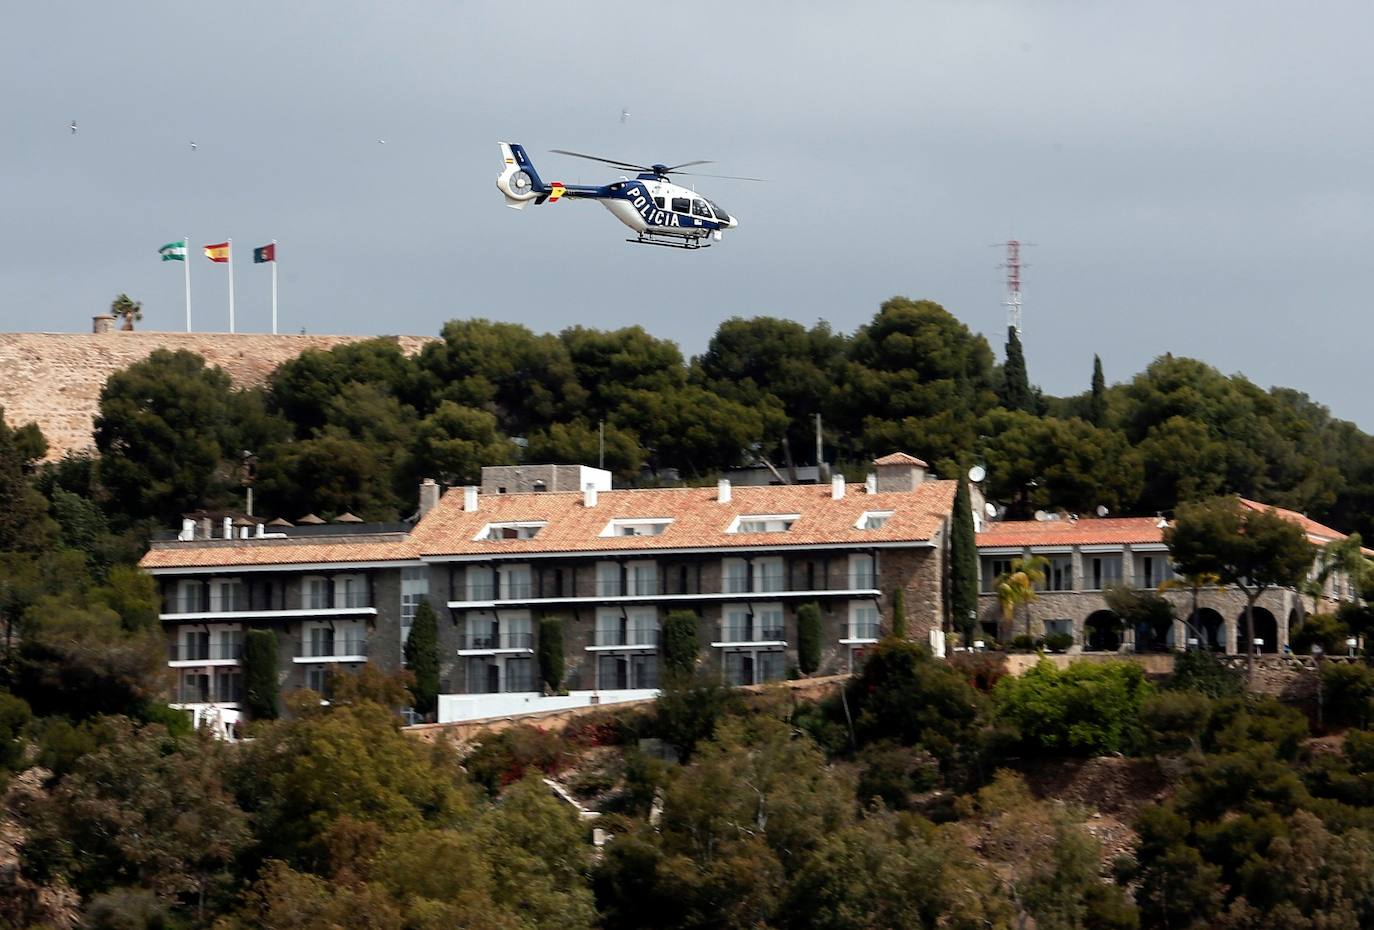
[(519, 182)]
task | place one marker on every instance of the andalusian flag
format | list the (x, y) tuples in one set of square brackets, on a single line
[(218, 253), (173, 251)]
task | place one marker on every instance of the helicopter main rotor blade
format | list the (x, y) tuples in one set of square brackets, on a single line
[(686, 164), (727, 177), (605, 161)]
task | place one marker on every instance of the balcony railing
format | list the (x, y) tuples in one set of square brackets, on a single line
[(863, 580), (497, 641), (208, 694), (761, 583), (203, 652), (863, 631), (755, 633), (191, 604), (508, 591), (627, 637), (340, 647)]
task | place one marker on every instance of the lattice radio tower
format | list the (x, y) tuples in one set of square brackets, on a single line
[(1013, 300)]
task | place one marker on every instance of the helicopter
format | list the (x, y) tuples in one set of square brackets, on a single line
[(658, 211)]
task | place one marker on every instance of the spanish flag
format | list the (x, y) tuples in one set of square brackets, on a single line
[(217, 253)]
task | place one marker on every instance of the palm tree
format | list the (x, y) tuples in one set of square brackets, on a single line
[(1343, 556), (127, 309), (1016, 588), (1195, 584)]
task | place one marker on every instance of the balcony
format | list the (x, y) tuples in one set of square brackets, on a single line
[(206, 693), (228, 611), (862, 634), (340, 649), (477, 643), (752, 633), (775, 585), (863, 580), (625, 639), (204, 652), (508, 591)]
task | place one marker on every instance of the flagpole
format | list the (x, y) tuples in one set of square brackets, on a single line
[(186, 253), (274, 287), (230, 243)]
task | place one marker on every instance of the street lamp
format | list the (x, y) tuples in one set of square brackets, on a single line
[(1317, 654), (1350, 644), (1259, 645)]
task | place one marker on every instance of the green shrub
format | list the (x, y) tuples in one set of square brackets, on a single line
[(422, 658), (981, 669), (551, 661), (679, 646), (1089, 708), (1323, 630), (1348, 692), (688, 709), (1174, 721), (14, 722), (809, 638), (261, 692), (1059, 642), (504, 758), (1203, 672), (892, 774), (904, 696), (1022, 642)]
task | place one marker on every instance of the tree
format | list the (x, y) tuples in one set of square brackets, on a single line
[(1016, 587), (1016, 390), (24, 523), (305, 389), (454, 442), (1194, 585), (328, 474), (1251, 549), (679, 645), (1097, 403), (551, 653), (580, 443), (899, 613), (963, 565), (126, 309), (809, 638), (260, 688), (422, 658), (1338, 557), (1088, 708), (1144, 613)]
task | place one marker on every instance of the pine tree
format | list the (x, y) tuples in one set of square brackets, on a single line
[(963, 565), (679, 643), (1097, 409), (551, 653), (1016, 392), (809, 638), (422, 658), (260, 688)]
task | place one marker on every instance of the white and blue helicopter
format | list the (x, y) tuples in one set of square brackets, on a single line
[(657, 210)]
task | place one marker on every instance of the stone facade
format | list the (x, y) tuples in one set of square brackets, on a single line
[(55, 379)]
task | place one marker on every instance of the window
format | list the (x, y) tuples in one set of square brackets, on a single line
[(519, 674), (720, 214), (1106, 570), (320, 642), (682, 205), (862, 574), (227, 594), (734, 576), (764, 624), (414, 589), (641, 578), (769, 575), (507, 629), (1154, 569), (1059, 573), (351, 591), (195, 645), (608, 579), (229, 645), (315, 593), (873, 520), (653, 527), (752, 667), (515, 583), (863, 620), (317, 678), (700, 209), (992, 570), (763, 523), (499, 532), (634, 626), (1058, 627), (481, 583)]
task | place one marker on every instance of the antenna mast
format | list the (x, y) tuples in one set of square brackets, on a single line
[(1013, 301)]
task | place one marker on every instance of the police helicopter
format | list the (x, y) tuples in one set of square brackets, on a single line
[(657, 210)]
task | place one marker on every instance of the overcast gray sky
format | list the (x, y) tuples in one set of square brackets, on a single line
[(1195, 177)]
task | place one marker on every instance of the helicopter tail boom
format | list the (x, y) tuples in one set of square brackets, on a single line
[(519, 182)]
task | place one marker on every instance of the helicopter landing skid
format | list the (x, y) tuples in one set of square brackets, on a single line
[(671, 242)]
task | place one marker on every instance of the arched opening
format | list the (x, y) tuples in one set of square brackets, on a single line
[(1152, 634), (1208, 626), (1102, 632), (1266, 628)]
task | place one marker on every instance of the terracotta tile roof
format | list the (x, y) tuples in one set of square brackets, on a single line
[(215, 553), (699, 520), (1082, 532), (900, 458), (1316, 532)]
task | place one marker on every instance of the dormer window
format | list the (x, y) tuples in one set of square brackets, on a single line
[(637, 527), (763, 523), (499, 532), (873, 519)]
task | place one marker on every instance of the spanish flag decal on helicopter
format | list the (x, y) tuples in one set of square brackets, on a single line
[(558, 190)]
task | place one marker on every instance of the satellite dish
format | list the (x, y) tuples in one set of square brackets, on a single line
[(977, 473), (991, 510), (1102, 510), (1041, 516)]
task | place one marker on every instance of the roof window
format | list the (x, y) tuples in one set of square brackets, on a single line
[(637, 526), (873, 520), (763, 523), (497, 532)]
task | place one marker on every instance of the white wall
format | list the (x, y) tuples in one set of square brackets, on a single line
[(456, 707)]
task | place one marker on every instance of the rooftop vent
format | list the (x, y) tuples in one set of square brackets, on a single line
[(723, 490)]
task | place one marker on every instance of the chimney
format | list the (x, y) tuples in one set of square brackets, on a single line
[(188, 529), (723, 490), (837, 488), (470, 499), (260, 531), (871, 484), (207, 528), (589, 495), (104, 323), (429, 496), (228, 528), (899, 472)]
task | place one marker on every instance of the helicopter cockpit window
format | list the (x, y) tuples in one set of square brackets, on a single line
[(682, 205), (699, 208), (720, 214), (658, 202)]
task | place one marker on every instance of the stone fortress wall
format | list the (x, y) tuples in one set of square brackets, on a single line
[(54, 379)]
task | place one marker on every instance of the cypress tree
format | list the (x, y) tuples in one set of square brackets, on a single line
[(422, 658), (899, 613), (963, 565), (809, 638), (679, 646), (260, 688), (1097, 409), (551, 652), (1016, 392)]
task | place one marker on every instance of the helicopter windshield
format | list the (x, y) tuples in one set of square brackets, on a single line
[(720, 214)]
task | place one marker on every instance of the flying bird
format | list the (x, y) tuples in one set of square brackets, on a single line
[(381, 142), (193, 146), (624, 115), (73, 127)]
